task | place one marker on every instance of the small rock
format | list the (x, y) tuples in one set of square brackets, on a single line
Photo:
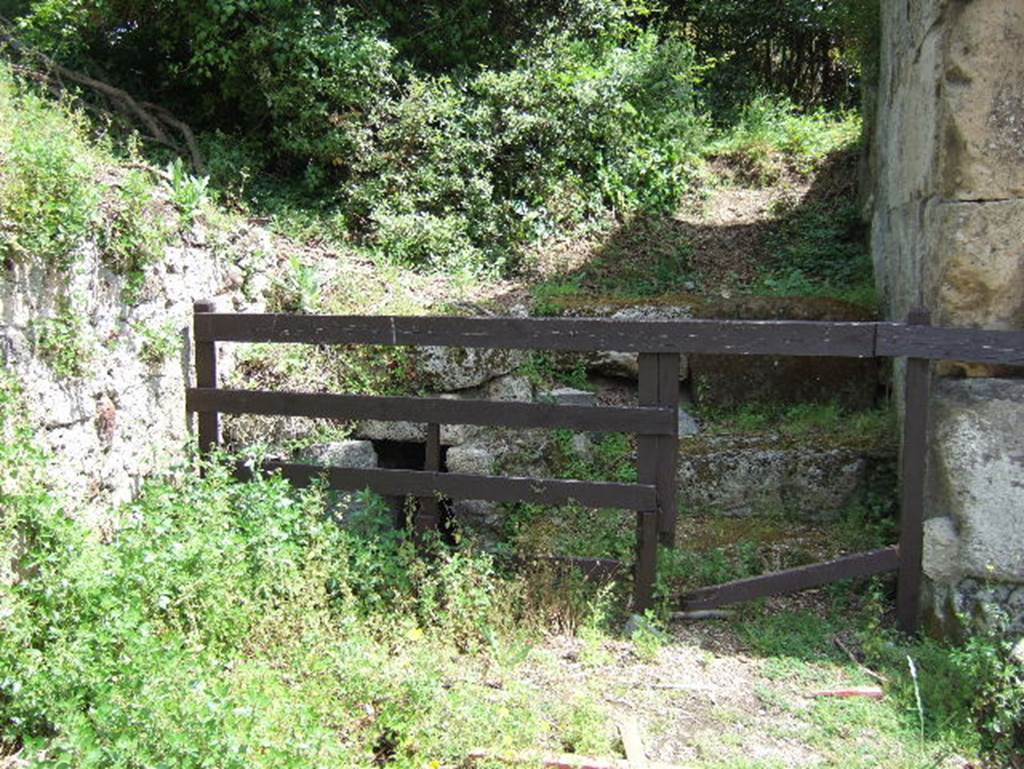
[(234, 277), (688, 424), (637, 623), (568, 396), (941, 555), (620, 365), (355, 454), (1017, 653)]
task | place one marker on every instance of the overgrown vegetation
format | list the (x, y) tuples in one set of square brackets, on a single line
[(454, 138), (227, 624)]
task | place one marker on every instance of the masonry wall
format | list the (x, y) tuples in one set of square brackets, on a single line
[(948, 234)]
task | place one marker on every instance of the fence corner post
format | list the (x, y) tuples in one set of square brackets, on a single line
[(427, 515), (913, 466), (208, 422), (646, 569)]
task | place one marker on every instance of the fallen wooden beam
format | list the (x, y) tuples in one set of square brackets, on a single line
[(558, 760), (629, 732), (872, 692)]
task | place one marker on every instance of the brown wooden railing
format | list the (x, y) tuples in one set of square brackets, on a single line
[(654, 421)]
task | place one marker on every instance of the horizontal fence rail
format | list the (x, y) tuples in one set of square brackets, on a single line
[(612, 419), (803, 338), (626, 496), (654, 421), (724, 337)]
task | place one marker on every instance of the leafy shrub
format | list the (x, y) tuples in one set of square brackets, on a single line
[(48, 197), (63, 341), (977, 686), (463, 173), (232, 625)]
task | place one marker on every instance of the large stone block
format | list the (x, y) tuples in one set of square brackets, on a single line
[(974, 275), (977, 473), (745, 476), (734, 380), (443, 369), (982, 149)]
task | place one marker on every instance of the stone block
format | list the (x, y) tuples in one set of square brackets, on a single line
[(745, 476), (976, 472), (353, 454), (730, 381), (982, 98), (568, 396)]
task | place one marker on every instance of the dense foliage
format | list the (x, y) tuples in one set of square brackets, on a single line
[(811, 51), (451, 135), (230, 624)]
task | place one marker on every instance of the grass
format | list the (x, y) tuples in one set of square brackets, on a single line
[(61, 188), (773, 132), (873, 428)]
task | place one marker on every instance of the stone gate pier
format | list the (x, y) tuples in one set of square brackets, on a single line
[(947, 168)]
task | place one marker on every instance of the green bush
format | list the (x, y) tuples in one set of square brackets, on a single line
[(228, 624), (49, 199), (463, 173), (52, 202)]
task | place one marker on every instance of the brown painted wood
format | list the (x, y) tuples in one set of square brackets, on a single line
[(647, 456), (913, 466), (668, 449), (959, 344), (419, 483), (646, 567), (441, 410), (208, 422), (727, 337), (428, 514), (792, 580)]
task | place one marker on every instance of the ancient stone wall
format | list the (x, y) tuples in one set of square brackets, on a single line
[(948, 234), (119, 414)]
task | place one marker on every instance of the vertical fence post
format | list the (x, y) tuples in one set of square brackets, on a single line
[(646, 569), (913, 466), (206, 376), (426, 518), (647, 521), (668, 449)]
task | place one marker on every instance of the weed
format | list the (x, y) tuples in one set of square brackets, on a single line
[(189, 193), (134, 234), (298, 290), (49, 200), (64, 342), (546, 370), (159, 343)]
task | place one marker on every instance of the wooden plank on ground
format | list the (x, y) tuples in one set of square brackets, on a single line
[(632, 744), (791, 580)]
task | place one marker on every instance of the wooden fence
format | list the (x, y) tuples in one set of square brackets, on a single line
[(654, 421)]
